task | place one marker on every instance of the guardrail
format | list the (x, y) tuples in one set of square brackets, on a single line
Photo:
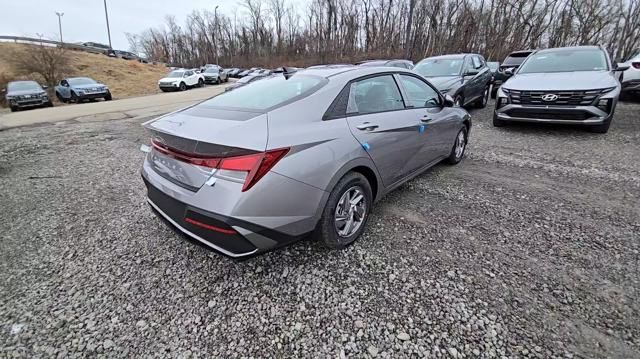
[(66, 45)]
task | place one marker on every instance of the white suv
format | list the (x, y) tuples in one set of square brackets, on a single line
[(631, 77), (181, 80)]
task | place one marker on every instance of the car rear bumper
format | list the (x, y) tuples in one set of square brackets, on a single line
[(580, 115)]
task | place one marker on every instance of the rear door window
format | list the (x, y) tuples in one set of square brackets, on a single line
[(374, 94)]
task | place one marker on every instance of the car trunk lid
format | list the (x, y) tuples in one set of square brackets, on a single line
[(187, 145)]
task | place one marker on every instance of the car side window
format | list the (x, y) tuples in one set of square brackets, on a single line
[(476, 62), (419, 93), (374, 94), (468, 65), (188, 73), (64, 83)]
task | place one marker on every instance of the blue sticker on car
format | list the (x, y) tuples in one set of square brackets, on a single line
[(422, 128), (366, 146)]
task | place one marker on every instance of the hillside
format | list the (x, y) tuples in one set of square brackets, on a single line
[(124, 78)]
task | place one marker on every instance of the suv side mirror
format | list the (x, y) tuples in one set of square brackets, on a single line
[(471, 73), (621, 67), (508, 71), (448, 101)]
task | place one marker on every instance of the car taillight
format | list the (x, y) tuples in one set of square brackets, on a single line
[(636, 65), (248, 169), (251, 168)]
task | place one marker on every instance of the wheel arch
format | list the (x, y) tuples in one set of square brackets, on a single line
[(364, 166)]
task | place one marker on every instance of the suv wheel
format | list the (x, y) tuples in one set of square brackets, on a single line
[(200, 82), (346, 212), (74, 98), (458, 101), (183, 86), (459, 146), (498, 122), (482, 101), (494, 92)]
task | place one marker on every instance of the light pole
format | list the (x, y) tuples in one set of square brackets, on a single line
[(106, 15), (60, 15), (215, 28)]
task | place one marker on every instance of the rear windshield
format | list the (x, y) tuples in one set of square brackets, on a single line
[(268, 92), (565, 61), (211, 70), (515, 59)]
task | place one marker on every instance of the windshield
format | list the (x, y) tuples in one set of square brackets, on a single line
[(439, 67), (81, 81), (174, 74), (268, 92), (211, 70), (24, 86), (565, 61)]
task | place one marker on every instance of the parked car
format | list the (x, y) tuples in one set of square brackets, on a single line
[(244, 81), (96, 47), (507, 68), (215, 75), (26, 94), (247, 72), (631, 77), (78, 89), (336, 140), (570, 85), (234, 72), (180, 80), (122, 54), (404, 64), (206, 66), (465, 77)]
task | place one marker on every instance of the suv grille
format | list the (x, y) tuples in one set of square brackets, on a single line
[(549, 114), (562, 98)]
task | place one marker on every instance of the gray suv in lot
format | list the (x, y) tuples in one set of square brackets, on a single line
[(26, 94), (569, 85)]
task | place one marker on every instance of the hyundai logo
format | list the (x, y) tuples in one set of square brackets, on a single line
[(549, 97)]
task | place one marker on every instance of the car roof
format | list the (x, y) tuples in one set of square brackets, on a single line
[(449, 56), (350, 72), (569, 48), (21, 81)]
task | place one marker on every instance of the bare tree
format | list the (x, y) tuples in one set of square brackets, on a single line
[(49, 62)]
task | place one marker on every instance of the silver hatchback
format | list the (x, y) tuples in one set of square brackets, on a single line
[(295, 153)]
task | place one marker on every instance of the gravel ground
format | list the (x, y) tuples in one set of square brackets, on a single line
[(528, 248)]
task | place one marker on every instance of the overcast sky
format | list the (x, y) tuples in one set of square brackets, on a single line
[(84, 20)]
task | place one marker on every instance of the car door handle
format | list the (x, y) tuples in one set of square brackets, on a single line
[(367, 127), (425, 119)]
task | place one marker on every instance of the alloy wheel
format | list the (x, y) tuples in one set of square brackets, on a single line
[(350, 212), (460, 144)]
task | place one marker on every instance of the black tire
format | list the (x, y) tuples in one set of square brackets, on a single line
[(494, 92), (498, 122), (326, 229), (603, 128), (183, 86), (49, 104), (200, 82), (482, 101), (74, 98), (14, 109), (164, 90), (454, 156), (108, 97)]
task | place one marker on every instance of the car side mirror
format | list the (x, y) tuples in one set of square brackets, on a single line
[(44, 87), (471, 73), (508, 72), (448, 101), (621, 67)]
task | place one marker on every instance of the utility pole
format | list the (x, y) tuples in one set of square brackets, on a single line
[(60, 15), (106, 15), (215, 28)]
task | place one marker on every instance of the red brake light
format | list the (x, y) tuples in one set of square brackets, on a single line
[(186, 157), (257, 165), (636, 65)]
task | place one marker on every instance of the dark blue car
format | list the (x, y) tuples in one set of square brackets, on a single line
[(77, 89)]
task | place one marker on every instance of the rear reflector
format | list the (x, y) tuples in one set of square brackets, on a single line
[(250, 168), (209, 227)]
